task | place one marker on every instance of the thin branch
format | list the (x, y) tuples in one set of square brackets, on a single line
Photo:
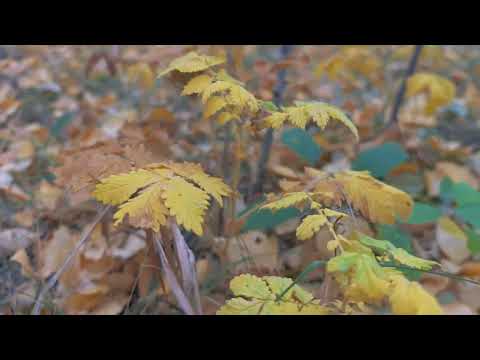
[(412, 66), (309, 269), (53, 281), (433, 272), (278, 95)]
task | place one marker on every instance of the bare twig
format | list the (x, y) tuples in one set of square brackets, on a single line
[(170, 277), (278, 95), (412, 66), (53, 281)]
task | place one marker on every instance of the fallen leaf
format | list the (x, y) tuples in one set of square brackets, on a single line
[(15, 239), (452, 240), (48, 196), (57, 250)]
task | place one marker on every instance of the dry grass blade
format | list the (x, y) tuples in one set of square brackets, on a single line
[(186, 260), (170, 277)]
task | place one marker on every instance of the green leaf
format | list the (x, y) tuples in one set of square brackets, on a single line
[(473, 241), (401, 240), (380, 160), (424, 214), (267, 220), (413, 184), (268, 106), (464, 194), (381, 246), (446, 189), (396, 236), (61, 123), (303, 144), (343, 263), (470, 214)]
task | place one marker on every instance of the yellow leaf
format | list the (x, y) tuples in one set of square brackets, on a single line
[(212, 185), (288, 200), (403, 257), (234, 95), (187, 203), (377, 201), (143, 74), (440, 91), (298, 116), (337, 114), (149, 195), (313, 309), (192, 62), (226, 117), (262, 296), (409, 298), (360, 276), (333, 213), (251, 286), (276, 120), (146, 210), (241, 306), (197, 85), (349, 61), (214, 104), (310, 225), (214, 88), (117, 189), (305, 112)]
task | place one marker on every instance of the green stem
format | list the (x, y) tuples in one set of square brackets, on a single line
[(309, 269), (439, 273)]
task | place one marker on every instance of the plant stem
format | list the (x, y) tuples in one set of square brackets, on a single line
[(309, 269), (278, 95), (433, 272), (53, 281), (236, 168)]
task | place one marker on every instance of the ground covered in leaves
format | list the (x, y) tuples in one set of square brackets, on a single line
[(71, 115)]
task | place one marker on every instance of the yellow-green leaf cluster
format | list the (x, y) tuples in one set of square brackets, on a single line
[(305, 112), (401, 256), (312, 223), (148, 196), (222, 95), (440, 91), (363, 279), (360, 276), (269, 296)]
